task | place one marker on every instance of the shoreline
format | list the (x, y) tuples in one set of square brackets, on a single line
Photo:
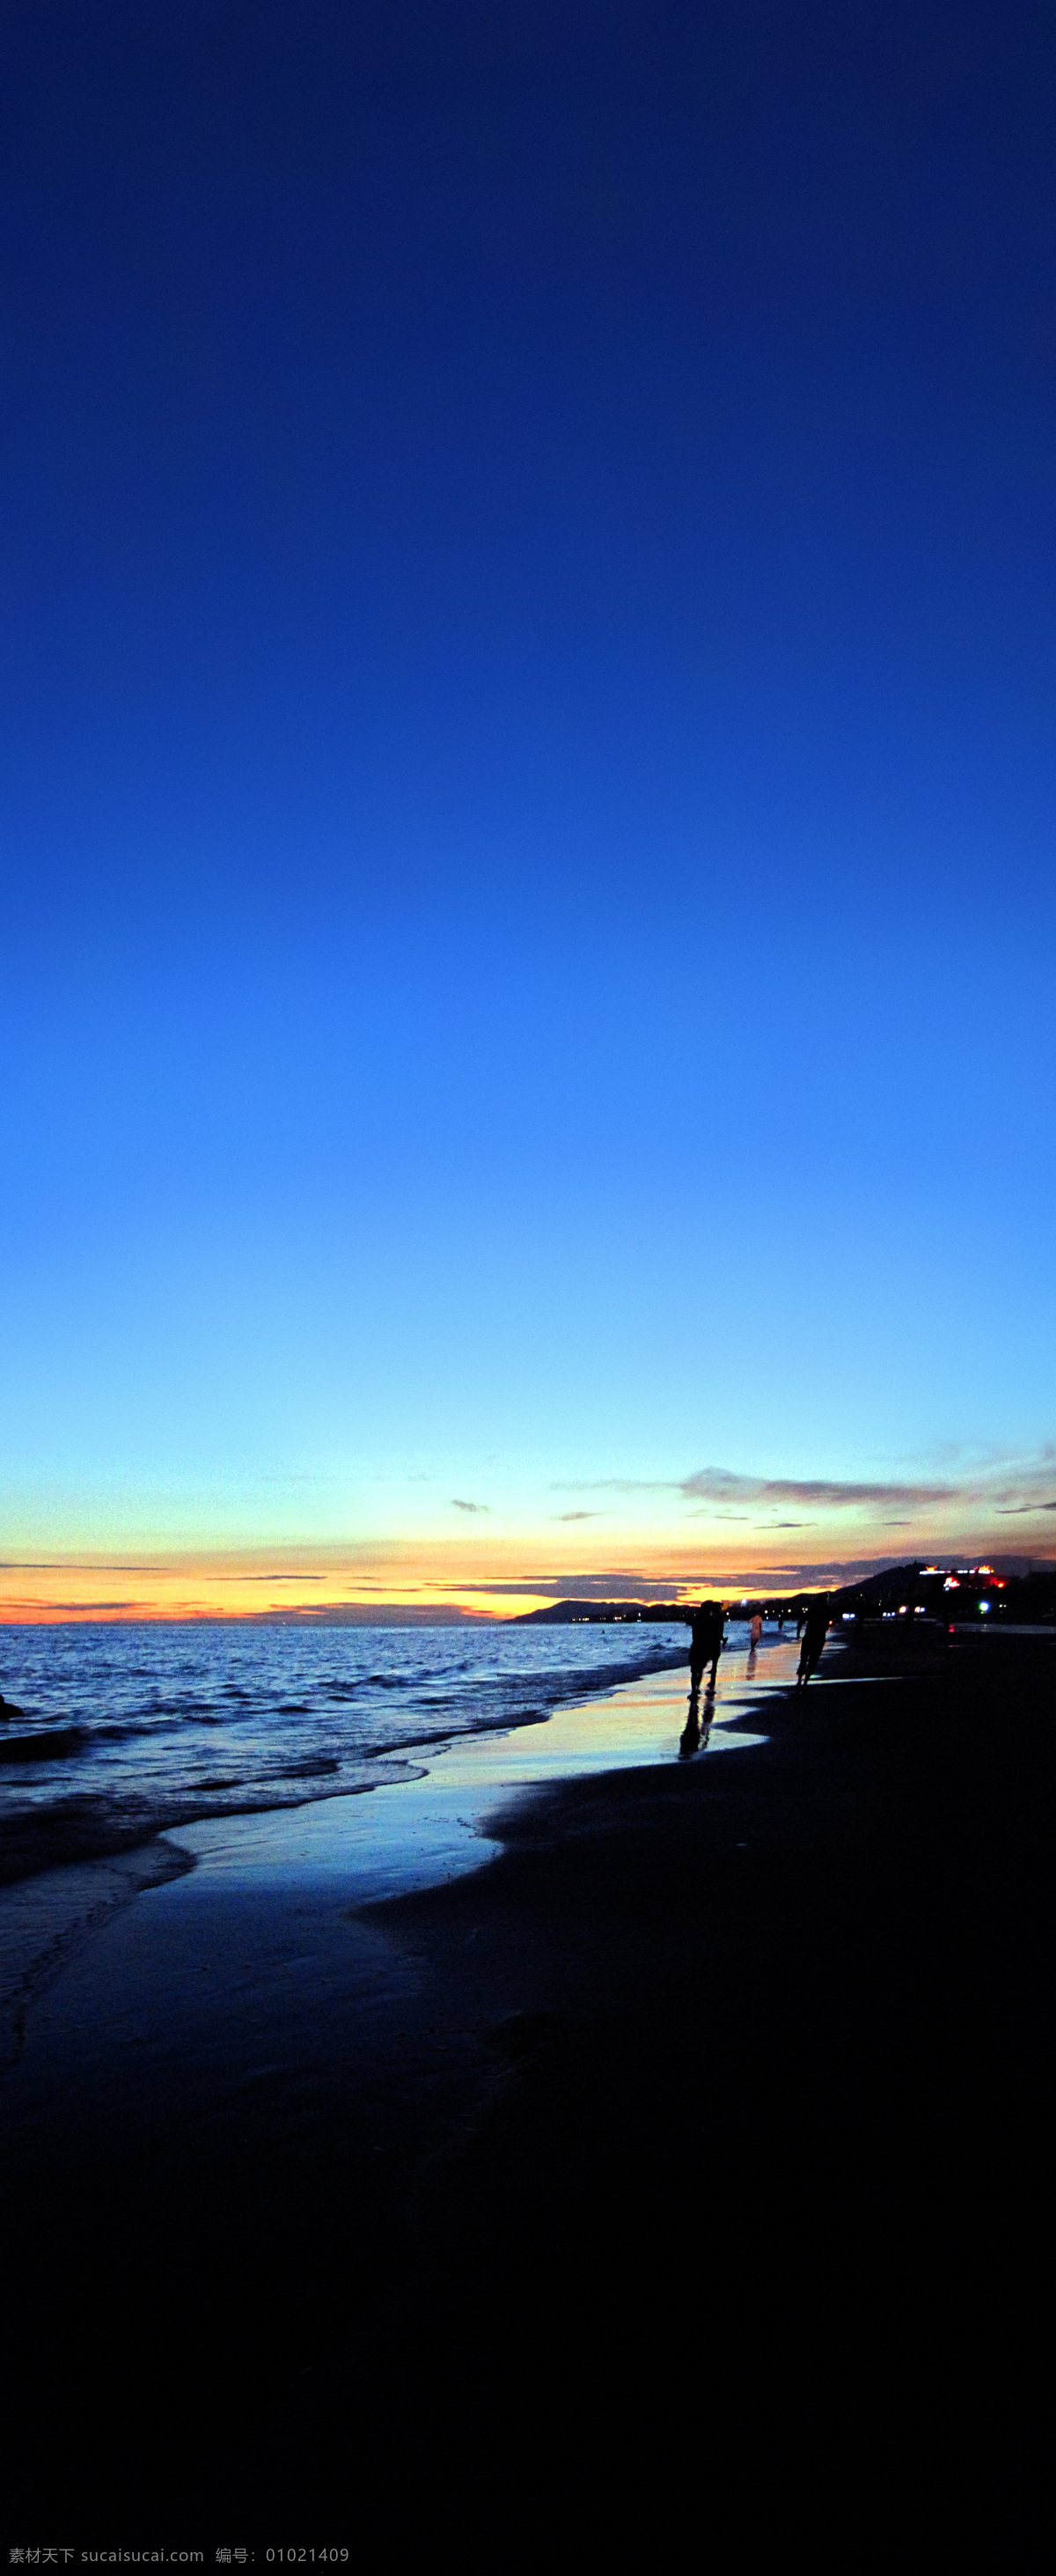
[(729, 2064), (107, 1821), (406, 1833)]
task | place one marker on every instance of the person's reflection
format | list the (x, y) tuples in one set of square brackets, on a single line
[(694, 1736)]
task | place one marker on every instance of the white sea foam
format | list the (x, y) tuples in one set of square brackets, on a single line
[(173, 1722)]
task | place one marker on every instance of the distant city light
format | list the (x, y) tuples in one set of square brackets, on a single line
[(951, 1584), (984, 1605)]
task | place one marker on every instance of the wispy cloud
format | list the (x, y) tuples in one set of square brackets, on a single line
[(79, 1609), (618, 1583), (578, 1516), (457, 1505), (724, 1493), (374, 1614), (628, 1583), (66, 1565), (723, 1485)]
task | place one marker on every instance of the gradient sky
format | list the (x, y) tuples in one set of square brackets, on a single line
[(527, 795)]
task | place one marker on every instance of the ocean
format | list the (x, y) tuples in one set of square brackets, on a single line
[(161, 1724)]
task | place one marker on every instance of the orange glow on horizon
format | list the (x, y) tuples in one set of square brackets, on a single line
[(490, 1584), (495, 1578), (200, 1589)]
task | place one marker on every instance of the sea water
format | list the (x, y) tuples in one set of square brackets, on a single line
[(162, 1724)]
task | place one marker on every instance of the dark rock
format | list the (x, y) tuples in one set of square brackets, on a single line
[(44, 1745)]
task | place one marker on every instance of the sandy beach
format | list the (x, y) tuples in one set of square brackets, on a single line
[(695, 2137)]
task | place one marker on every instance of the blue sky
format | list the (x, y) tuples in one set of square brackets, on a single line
[(527, 782)]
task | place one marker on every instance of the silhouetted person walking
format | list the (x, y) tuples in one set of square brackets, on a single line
[(706, 1627), (698, 1646), (815, 1631)]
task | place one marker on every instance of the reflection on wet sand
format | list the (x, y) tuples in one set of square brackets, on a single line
[(695, 1733), (420, 1832)]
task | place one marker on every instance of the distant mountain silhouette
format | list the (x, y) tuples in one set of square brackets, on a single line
[(947, 1591)]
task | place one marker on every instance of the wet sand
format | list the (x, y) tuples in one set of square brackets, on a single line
[(691, 2147)]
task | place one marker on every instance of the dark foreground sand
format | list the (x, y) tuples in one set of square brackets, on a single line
[(681, 2180)]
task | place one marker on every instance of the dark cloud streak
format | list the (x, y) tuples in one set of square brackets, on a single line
[(710, 1487)]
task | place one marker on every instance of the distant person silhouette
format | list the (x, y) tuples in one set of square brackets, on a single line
[(706, 1627), (756, 1631), (698, 1646), (815, 1631)]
